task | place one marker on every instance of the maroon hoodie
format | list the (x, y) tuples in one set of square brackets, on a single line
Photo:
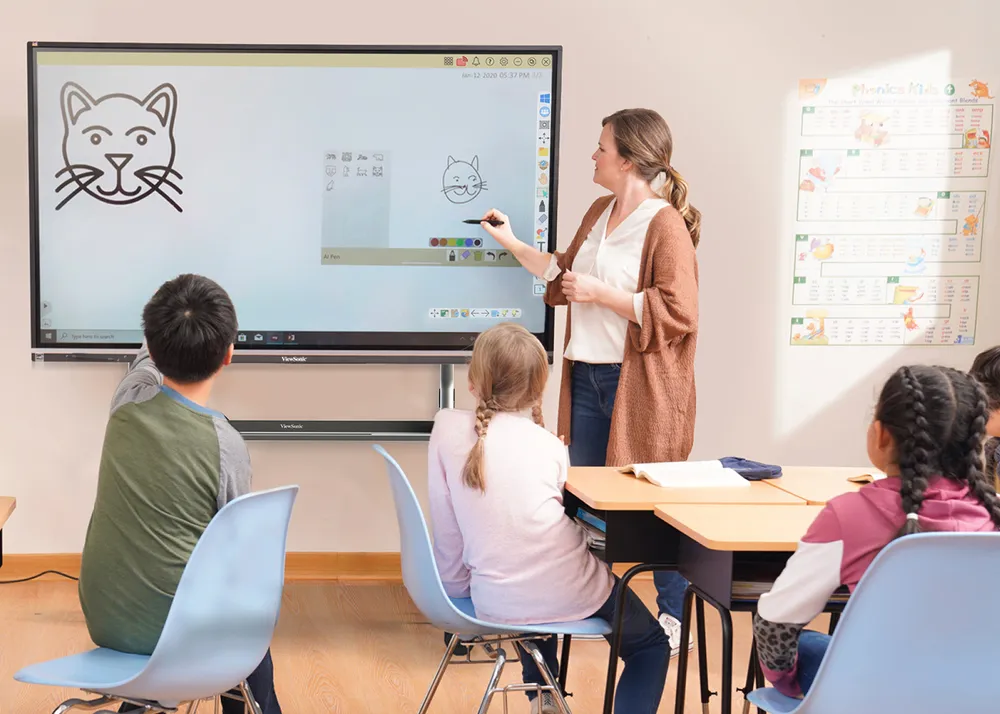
[(837, 550)]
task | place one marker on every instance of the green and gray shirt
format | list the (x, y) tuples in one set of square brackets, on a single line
[(167, 467)]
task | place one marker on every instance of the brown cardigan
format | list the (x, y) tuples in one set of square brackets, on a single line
[(653, 417)]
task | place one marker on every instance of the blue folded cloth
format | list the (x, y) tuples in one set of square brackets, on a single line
[(751, 470)]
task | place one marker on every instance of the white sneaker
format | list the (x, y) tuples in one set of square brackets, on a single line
[(672, 628), (548, 704)]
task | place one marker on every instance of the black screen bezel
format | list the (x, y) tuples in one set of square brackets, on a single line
[(391, 345)]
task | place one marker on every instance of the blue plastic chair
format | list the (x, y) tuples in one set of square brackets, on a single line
[(423, 582), (879, 662), (220, 622)]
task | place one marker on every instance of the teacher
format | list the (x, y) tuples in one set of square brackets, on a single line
[(630, 281)]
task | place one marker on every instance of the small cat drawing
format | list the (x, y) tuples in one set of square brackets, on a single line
[(462, 181), (117, 148)]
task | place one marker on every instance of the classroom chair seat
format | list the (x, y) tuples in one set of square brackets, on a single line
[(873, 664), (458, 615), (219, 625)]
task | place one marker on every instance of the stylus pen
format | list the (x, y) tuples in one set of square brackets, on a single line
[(475, 221)]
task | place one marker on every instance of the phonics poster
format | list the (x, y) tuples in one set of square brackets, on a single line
[(891, 202)]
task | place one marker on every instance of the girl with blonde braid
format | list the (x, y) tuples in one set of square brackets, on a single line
[(501, 535)]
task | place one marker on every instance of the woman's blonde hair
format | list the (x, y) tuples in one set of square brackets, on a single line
[(508, 372), (643, 137)]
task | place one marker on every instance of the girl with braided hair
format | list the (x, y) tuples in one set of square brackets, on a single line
[(495, 481), (927, 436)]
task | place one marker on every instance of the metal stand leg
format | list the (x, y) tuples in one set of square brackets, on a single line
[(616, 630), (564, 664), (536, 654), (452, 643), (682, 657), (446, 392), (494, 679), (706, 693)]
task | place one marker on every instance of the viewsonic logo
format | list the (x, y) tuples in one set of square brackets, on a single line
[(294, 359)]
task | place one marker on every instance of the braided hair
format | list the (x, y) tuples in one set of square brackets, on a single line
[(937, 419), (507, 373)]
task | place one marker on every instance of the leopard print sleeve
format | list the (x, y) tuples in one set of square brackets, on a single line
[(777, 644)]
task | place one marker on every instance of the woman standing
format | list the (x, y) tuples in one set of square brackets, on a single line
[(630, 281)]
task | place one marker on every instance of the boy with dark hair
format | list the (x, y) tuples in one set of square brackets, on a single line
[(169, 463), (986, 370)]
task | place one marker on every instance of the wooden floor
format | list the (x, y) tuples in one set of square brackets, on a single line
[(348, 648)]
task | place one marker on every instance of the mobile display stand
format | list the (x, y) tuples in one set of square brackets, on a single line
[(351, 430)]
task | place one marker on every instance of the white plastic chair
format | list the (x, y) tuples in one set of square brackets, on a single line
[(219, 626), (878, 662), (423, 582)]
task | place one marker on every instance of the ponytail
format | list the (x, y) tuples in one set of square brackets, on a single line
[(474, 473), (675, 191)]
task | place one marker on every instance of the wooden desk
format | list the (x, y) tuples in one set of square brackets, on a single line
[(740, 528), (730, 553), (633, 533), (606, 489), (818, 484), (7, 506)]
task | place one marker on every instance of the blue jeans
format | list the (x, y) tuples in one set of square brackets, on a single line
[(644, 649), (594, 389), (812, 648)]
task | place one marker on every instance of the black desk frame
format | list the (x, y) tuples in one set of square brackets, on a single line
[(630, 537), (710, 574)]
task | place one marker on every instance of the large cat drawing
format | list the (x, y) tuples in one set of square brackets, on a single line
[(117, 148), (461, 181)]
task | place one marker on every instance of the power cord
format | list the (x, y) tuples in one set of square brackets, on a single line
[(38, 575)]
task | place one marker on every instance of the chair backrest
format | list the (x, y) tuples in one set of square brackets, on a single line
[(920, 633), (226, 606), (420, 572)]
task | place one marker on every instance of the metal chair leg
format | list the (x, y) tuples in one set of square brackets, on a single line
[(543, 667), (248, 698), (83, 704), (491, 688), (445, 660)]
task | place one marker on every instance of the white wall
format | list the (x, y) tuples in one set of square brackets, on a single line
[(720, 72)]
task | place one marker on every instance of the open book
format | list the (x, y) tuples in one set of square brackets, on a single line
[(687, 474)]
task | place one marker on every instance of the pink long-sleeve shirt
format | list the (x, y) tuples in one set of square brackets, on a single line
[(512, 549)]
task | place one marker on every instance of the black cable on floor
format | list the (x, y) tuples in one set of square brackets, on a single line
[(33, 577)]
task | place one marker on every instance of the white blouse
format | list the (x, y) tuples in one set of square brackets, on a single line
[(598, 333)]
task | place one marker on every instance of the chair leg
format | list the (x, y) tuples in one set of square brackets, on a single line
[(248, 699), (193, 707), (83, 704), (491, 688), (445, 660), (536, 654)]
